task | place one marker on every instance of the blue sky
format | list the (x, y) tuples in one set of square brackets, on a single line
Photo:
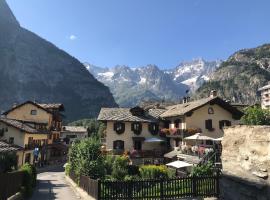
[(140, 32)]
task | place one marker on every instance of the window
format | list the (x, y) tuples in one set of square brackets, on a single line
[(208, 124), (30, 140), (223, 123), (136, 127), (153, 128), (119, 127), (210, 110), (118, 145), (177, 123), (11, 140), (33, 112)]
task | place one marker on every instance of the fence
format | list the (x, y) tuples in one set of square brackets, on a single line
[(10, 184), (151, 189)]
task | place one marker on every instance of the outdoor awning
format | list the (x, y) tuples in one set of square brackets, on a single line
[(153, 139), (179, 164), (198, 136), (171, 154)]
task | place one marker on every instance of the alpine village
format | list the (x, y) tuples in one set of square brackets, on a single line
[(77, 131)]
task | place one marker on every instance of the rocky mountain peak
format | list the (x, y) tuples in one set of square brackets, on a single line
[(35, 69), (6, 15)]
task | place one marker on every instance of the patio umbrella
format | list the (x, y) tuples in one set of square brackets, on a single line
[(218, 139), (153, 139), (179, 164), (198, 136)]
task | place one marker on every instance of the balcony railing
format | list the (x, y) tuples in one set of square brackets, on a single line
[(174, 132)]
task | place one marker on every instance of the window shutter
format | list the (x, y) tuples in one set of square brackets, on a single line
[(220, 124)]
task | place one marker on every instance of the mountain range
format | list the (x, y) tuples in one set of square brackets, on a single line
[(35, 69), (240, 76), (130, 86)]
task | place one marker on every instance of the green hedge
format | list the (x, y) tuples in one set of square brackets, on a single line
[(154, 172), (29, 179)]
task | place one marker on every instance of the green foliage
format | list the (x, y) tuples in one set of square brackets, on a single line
[(93, 126), (203, 170), (256, 116), (120, 168), (85, 158), (154, 172), (29, 179), (8, 162), (109, 161), (67, 169)]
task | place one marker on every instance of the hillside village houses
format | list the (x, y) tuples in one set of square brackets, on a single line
[(151, 132), (71, 133), (35, 130)]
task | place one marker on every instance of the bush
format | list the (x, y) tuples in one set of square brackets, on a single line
[(120, 168), (109, 160), (29, 179), (154, 172), (256, 116), (67, 169), (86, 159), (203, 170)]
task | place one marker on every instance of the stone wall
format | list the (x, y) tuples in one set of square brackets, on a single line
[(246, 163)]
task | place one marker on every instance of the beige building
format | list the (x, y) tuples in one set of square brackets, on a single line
[(27, 138), (265, 96), (31, 125), (139, 128), (207, 116), (132, 129)]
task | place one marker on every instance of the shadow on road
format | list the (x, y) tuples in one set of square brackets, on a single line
[(44, 190)]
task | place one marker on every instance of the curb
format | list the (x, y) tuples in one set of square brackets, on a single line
[(78, 190), (17, 196)]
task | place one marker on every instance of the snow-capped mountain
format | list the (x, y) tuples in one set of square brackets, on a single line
[(130, 86), (194, 73)]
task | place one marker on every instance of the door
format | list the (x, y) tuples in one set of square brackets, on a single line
[(138, 145)]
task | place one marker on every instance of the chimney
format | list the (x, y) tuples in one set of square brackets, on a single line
[(213, 93), (184, 100)]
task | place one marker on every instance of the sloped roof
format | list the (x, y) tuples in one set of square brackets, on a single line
[(27, 102), (182, 109), (79, 129), (49, 106), (21, 126), (124, 114), (5, 147)]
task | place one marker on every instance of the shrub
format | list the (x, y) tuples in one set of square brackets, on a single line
[(29, 179), (109, 160), (120, 168), (133, 170), (256, 116), (67, 169), (203, 170), (153, 172), (85, 158)]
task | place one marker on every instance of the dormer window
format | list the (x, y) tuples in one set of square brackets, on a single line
[(33, 112), (119, 127), (136, 127)]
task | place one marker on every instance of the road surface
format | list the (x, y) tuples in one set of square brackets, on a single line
[(53, 185)]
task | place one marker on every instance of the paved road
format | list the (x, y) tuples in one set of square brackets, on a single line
[(53, 185)]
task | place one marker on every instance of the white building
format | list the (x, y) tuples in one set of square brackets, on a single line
[(265, 96), (71, 133)]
